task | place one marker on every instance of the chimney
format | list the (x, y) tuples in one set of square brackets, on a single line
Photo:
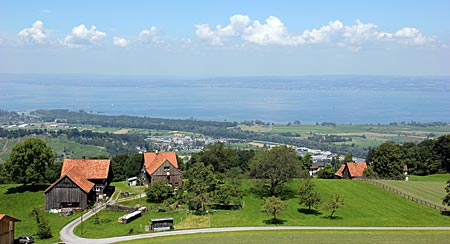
[(157, 152), (83, 157)]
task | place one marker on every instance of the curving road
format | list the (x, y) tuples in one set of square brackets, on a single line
[(69, 237)]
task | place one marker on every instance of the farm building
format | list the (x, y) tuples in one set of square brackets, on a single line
[(162, 167), (81, 181), (7, 229), (351, 170)]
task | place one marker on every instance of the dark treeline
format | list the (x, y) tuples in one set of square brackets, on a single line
[(124, 121), (427, 157)]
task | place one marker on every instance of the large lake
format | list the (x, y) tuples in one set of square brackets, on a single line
[(309, 99)]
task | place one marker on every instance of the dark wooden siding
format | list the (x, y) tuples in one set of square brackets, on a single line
[(175, 178), (6, 236), (64, 192)]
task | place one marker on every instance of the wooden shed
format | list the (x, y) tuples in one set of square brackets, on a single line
[(70, 191), (7, 229), (161, 224)]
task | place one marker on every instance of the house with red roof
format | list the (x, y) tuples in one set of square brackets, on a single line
[(351, 170), (162, 167), (80, 182), (7, 229)]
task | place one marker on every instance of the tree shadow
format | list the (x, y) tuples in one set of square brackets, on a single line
[(332, 217), (309, 211), (24, 188), (273, 221), (445, 212)]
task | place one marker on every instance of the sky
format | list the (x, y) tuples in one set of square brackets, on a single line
[(225, 38)]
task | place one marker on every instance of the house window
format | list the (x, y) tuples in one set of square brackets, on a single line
[(98, 188), (166, 168)]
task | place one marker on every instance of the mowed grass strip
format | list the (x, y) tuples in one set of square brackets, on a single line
[(429, 191), (294, 236)]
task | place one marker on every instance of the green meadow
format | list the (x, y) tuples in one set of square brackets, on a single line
[(300, 236)]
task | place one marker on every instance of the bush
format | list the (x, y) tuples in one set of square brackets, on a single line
[(158, 192)]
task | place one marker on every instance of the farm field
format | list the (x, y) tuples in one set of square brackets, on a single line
[(58, 144), (362, 135), (293, 236), (365, 205)]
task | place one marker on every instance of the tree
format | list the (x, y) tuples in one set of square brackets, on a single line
[(158, 192), (125, 166), (276, 166), (218, 156), (228, 194), (308, 194), (442, 150), (348, 158), (387, 161), (31, 161), (307, 161), (273, 207), (202, 182), (336, 202), (326, 173), (44, 231), (446, 200)]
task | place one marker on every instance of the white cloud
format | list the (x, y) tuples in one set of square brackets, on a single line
[(412, 36), (36, 34), (81, 36), (150, 36), (120, 42), (274, 32)]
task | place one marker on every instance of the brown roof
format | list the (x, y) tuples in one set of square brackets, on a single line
[(2, 216), (78, 178), (153, 160), (356, 169), (340, 170), (90, 168)]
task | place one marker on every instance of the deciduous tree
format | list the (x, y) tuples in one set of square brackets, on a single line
[(336, 202), (31, 161), (308, 194), (276, 166), (273, 207)]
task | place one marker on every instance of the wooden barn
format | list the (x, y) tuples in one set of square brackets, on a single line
[(351, 170), (81, 181), (162, 167), (7, 229)]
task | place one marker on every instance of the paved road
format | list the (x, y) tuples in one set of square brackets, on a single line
[(68, 236)]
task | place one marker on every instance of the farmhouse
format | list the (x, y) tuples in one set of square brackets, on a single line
[(351, 170), (7, 229), (81, 181), (162, 167)]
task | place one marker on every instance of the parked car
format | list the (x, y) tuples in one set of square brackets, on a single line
[(24, 240)]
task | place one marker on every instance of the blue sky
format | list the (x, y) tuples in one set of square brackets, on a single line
[(225, 38)]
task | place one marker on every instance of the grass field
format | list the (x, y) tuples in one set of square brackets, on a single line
[(365, 205), (20, 204), (281, 237), (429, 188)]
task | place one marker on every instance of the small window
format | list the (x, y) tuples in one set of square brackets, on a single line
[(166, 168)]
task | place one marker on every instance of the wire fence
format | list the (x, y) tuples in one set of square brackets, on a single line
[(405, 195)]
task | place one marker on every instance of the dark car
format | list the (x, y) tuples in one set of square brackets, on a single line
[(24, 240)]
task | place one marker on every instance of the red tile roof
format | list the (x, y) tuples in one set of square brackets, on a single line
[(78, 178), (356, 169), (153, 160), (90, 168), (340, 170), (9, 217)]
